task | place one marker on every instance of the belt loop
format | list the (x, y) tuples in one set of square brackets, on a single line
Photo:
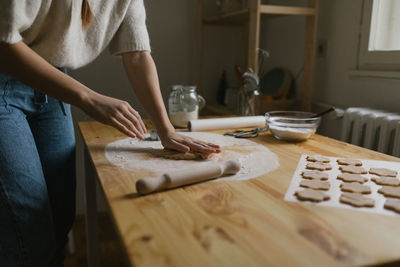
[(40, 98), (62, 107)]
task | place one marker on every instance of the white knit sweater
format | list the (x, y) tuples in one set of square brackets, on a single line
[(53, 28)]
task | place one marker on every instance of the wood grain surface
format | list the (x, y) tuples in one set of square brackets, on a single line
[(242, 223)]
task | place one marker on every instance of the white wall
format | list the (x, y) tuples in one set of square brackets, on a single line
[(339, 24)]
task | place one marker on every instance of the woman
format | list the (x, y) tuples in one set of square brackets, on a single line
[(38, 39)]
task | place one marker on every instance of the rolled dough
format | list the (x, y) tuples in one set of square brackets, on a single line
[(191, 155)]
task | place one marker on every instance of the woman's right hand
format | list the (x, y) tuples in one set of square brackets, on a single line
[(114, 112)]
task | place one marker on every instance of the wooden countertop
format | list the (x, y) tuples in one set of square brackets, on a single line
[(242, 223)]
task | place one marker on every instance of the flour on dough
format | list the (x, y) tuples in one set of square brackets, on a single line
[(131, 154)]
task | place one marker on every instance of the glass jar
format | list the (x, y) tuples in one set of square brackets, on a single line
[(174, 100), (184, 105), (249, 97)]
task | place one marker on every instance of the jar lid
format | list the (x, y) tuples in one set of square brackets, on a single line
[(176, 87), (190, 88)]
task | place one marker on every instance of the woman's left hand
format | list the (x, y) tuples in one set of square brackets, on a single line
[(175, 141)]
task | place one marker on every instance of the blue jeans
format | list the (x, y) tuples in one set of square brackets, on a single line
[(37, 176)]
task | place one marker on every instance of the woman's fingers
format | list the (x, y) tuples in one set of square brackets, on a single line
[(205, 145), (133, 116), (132, 126), (213, 148), (196, 145), (115, 112), (184, 143), (213, 145), (179, 146), (135, 121), (122, 128), (208, 145), (137, 115)]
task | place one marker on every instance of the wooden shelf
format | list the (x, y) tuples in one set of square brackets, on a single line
[(287, 10), (250, 19), (236, 17)]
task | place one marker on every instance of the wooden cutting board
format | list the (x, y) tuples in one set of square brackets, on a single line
[(242, 223)]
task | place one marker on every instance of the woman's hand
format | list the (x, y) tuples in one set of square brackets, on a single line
[(114, 112), (142, 74), (182, 143)]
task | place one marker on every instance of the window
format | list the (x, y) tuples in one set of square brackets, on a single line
[(379, 47)]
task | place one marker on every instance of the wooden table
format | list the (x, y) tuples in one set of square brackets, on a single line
[(237, 223)]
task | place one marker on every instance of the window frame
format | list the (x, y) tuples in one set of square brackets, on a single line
[(373, 60)]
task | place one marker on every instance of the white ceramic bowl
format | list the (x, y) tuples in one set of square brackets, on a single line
[(294, 126)]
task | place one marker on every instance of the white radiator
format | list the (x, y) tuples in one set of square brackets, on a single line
[(378, 130)]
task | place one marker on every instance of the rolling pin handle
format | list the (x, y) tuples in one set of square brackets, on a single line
[(148, 185), (231, 167)]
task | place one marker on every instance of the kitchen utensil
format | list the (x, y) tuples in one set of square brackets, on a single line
[(249, 93), (247, 134), (324, 112), (177, 178), (263, 55)]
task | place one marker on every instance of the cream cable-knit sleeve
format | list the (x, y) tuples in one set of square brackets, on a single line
[(132, 34), (15, 17)]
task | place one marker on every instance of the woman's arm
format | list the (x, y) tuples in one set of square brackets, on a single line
[(28, 67), (142, 74)]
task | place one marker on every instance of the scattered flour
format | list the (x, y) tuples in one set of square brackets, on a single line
[(133, 154)]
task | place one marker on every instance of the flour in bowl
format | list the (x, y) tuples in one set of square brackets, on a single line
[(291, 134)]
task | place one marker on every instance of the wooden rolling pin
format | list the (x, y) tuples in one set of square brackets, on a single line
[(187, 176)]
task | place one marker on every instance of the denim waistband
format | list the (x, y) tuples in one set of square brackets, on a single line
[(22, 93)]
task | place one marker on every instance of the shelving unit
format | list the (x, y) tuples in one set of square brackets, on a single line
[(238, 16), (252, 16)]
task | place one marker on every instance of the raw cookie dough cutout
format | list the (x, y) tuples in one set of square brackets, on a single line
[(351, 162), (315, 175), (350, 177), (353, 169), (312, 195), (389, 191), (386, 181), (317, 158), (355, 187), (383, 172), (315, 184), (357, 200), (318, 166), (392, 204)]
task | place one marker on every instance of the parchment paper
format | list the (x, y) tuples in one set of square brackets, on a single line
[(335, 191)]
